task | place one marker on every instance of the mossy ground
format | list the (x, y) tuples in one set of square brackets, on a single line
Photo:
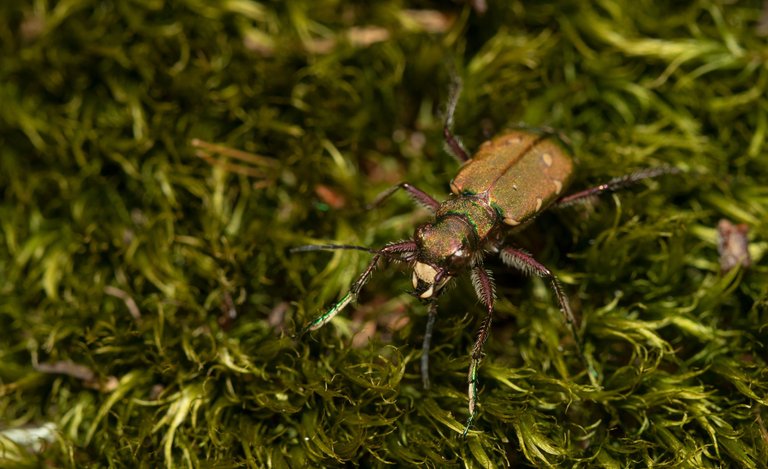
[(148, 298)]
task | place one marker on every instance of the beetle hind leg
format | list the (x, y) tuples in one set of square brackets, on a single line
[(453, 145), (614, 185)]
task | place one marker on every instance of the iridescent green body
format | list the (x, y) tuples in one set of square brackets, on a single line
[(511, 179)]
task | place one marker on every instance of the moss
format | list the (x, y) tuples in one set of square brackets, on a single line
[(148, 298)]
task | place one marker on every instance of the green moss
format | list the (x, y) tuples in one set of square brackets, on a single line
[(148, 298)]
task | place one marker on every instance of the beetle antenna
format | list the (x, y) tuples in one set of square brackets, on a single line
[(332, 247)]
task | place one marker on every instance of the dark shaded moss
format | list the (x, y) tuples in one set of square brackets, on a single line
[(163, 269)]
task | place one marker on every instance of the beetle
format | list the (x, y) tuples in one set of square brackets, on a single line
[(510, 180)]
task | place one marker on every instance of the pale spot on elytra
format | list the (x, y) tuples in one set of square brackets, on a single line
[(558, 186), (538, 203), (511, 221), (547, 158)]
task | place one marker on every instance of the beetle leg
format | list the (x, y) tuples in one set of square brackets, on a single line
[(614, 185), (427, 344), (483, 283), (350, 296), (525, 263), (417, 194), (396, 251), (454, 145)]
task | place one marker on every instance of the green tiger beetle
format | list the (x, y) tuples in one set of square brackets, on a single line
[(511, 179)]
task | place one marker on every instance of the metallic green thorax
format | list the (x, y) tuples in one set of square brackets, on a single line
[(461, 224), (519, 173)]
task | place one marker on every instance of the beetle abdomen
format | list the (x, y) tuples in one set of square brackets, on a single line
[(520, 172)]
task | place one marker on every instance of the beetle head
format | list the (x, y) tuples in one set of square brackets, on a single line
[(444, 248)]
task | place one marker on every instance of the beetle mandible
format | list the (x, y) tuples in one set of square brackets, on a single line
[(509, 181)]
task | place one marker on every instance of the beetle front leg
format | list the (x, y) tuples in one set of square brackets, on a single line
[(524, 262), (483, 283), (427, 344), (401, 252)]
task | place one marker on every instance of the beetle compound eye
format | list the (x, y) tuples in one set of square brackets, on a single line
[(458, 260), (459, 257)]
